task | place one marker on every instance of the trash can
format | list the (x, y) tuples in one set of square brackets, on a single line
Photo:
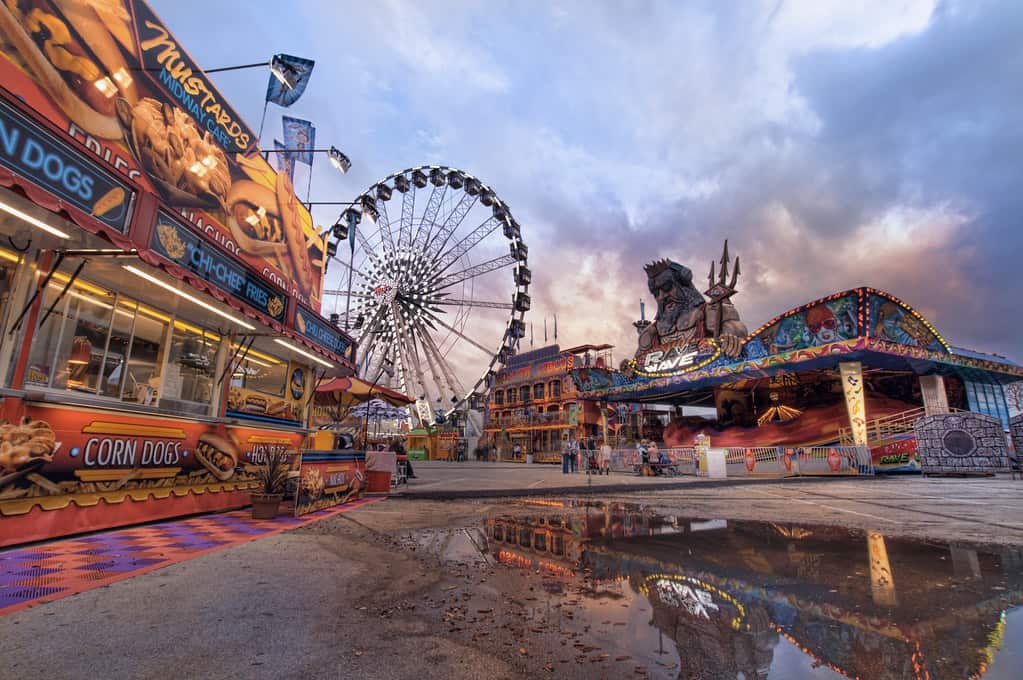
[(529, 459), (378, 481), (716, 465), (379, 466)]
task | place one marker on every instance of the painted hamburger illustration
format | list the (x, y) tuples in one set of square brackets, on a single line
[(217, 454)]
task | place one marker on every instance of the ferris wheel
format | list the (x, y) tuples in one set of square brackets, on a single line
[(436, 293)]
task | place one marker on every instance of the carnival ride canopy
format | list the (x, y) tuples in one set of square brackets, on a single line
[(861, 324)]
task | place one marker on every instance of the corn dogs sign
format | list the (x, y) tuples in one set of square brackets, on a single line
[(114, 78), (59, 458)]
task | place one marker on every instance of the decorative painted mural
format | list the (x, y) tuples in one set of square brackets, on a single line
[(829, 321), (894, 322)]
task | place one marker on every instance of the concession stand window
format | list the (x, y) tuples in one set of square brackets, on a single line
[(111, 330), (267, 375), (137, 348)]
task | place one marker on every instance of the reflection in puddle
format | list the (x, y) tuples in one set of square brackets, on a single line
[(688, 598)]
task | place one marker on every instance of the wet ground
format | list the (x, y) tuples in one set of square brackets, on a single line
[(624, 591), (552, 588)]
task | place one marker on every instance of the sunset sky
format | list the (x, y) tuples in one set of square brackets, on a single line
[(833, 148)]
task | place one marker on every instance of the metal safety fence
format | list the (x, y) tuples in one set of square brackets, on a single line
[(756, 461)]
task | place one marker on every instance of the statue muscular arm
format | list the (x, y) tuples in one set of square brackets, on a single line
[(733, 330)]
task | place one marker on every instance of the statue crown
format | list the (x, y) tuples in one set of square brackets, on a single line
[(656, 267)]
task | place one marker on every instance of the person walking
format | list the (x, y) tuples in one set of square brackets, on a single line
[(516, 452), (644, 457), (605, 458), (565, 447), (573, 454)]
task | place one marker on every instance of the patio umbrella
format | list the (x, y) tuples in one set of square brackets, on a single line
[(378, 409)]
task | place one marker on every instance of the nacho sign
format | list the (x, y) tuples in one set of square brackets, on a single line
[(329, 478), (117, 80)]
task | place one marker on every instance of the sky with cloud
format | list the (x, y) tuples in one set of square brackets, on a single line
[(833, 146)]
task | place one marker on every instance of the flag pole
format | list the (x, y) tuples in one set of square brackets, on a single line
[(262, 122)]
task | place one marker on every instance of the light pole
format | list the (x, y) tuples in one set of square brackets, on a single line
[(344, 228), (337, 158)]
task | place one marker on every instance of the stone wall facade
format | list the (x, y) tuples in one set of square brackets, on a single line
[(961, 443), (1016, 430)]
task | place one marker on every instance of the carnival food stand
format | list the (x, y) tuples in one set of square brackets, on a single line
[(160, 311), (346, 471)]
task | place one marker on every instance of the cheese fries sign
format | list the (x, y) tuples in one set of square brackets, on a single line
[(111, 75)]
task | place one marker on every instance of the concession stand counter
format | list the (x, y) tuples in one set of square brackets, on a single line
[(159, 287)]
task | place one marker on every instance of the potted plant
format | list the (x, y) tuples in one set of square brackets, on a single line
[(273, 479)]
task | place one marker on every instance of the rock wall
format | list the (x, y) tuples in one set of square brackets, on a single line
[(1016, 430), (961, 443)]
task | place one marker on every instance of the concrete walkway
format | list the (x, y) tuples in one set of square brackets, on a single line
[(438, 480)]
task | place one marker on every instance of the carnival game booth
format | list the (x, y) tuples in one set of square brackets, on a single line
[(859, 368), (160, 323)]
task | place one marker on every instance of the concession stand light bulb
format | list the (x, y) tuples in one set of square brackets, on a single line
[(123, 78), (35, 222), (211, 162), (106, 86), (198, 169)]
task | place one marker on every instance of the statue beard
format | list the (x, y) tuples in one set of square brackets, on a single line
[(686, 299)]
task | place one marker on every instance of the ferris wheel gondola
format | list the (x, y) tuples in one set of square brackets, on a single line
[(437, 296)]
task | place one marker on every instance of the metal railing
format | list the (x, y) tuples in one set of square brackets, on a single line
[(885, 428), (630, 459), (782, 461), (554, 418)]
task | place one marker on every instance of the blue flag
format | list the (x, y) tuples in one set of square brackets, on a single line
[(285, 160), (300, 138), (288, 78)]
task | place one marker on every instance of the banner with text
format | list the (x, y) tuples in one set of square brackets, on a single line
[(60, 458), (330, 478)]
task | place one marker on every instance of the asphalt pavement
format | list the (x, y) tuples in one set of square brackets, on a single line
[(356, 596), (443, 479)]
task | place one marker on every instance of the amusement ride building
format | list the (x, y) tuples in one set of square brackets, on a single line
[(858, 368)]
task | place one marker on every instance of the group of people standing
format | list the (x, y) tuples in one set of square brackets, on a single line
[(596, 460)]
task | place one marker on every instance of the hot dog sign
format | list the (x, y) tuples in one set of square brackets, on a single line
[(116, 79)]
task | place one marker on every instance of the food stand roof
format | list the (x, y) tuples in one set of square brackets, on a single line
[(347, 392)]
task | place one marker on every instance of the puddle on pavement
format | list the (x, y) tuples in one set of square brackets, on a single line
[(678, 597)]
